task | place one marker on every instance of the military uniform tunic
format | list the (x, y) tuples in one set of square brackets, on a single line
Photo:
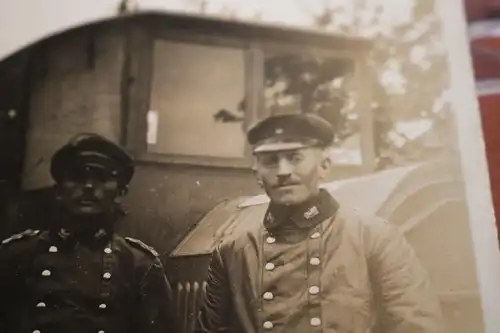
[(325, 269), (52, 282)]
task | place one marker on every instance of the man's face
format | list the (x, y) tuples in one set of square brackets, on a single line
[(292, 177), (88, 190)]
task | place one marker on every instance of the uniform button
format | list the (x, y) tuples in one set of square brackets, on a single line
[(107, 275), (270, 266), (313, 290), (315, 235), (102, 306), (268, 295), (314, 261), (268, 325), (36, 331), (41, 305), (270, 240), (46, 272), (108, 250), (100, 331), (315, 321), (53, 249)]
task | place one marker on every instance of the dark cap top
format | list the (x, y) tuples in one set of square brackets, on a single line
[(290, 131), (93, 150)]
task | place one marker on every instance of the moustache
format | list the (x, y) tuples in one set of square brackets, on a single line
[(286, 183)]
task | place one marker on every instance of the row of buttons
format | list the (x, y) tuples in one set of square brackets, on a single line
[(315, 321), (38, 331), (314, 261), (43, 305), (46, 272), (54, 249), (313, 290), (272, 240)]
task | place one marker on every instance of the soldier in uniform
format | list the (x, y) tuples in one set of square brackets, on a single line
[(313, 265), (79, 275)]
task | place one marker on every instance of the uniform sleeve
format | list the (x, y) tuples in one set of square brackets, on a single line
[(156, 313), (215, 314), (404, 298), (5, 279), (12, 261)]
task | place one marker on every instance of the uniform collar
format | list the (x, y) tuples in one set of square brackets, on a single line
[(304, 216)]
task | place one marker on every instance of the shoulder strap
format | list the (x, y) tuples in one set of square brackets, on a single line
[(142, 246), (22, 235)]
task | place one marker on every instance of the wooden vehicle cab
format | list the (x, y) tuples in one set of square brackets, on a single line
[(178, 92)]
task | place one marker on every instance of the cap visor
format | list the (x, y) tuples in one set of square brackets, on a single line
[(279, 146)]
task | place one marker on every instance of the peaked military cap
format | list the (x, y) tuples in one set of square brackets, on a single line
[(93, 150), (290, 131)]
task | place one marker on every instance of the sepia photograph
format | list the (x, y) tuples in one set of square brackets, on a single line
[(203, 166)]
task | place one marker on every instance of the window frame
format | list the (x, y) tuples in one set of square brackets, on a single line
[(367, 149), (141, 69)]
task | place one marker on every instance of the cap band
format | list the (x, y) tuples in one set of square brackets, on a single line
[(95, 159), (281, 144)]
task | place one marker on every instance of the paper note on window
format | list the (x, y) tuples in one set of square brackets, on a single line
[(152, 133)]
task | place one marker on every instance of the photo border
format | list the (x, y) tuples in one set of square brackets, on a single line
[(469, 136)]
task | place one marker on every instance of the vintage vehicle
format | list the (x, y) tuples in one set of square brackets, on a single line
[(426, 201), (148, 80), (171, 88)]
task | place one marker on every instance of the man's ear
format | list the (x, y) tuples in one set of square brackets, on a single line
[(122, 191), (256, 173), (326, 163)]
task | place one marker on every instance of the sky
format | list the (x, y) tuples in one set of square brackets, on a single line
[(292, 12)]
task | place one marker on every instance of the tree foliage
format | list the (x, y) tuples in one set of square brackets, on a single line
[(414, 50), (310, 81), (411, 49)]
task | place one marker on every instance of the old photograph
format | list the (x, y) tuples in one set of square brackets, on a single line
[(228, 166)]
